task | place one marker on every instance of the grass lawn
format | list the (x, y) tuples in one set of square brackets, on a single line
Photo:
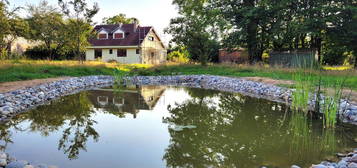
[(328, 76), (28, 69)]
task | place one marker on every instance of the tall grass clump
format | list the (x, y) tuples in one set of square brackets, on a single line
[(304, 86), (310, 86), (119, 81), (330, 105)]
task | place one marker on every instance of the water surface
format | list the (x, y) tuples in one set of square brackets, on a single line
[(145, 127)]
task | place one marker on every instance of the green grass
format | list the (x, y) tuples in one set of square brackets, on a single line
[(328, 76), (30, 71)]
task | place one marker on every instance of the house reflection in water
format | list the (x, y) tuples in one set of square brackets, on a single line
[(128, 100)]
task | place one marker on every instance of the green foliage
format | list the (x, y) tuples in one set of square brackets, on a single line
[(331, 104), (307, 87), (335, 55), (304, 87), (263, 26), (180, 55), (41, 52), (79, 17), (3, 54), (47, 25), (197, 29), (11, 25), (119, 19)]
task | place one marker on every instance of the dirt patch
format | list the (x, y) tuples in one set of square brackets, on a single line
[(269, 81), (12, 86)]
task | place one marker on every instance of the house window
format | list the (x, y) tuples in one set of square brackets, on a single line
[(98, 53), (121, 53), (152, 54), (118, 35), (151, 38), (110, 51), (103, 36), (137, 51)]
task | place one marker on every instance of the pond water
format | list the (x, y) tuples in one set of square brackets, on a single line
[(157, 126)]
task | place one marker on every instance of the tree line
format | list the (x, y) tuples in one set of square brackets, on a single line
[(261, 26), (61, 30)]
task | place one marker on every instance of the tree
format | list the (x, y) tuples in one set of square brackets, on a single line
[(344, 29), (197, 29), (119, 19), (47, 25), (80, 19), (4, 25), (250, 28), (11, 26)]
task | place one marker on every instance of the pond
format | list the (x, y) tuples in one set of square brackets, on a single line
[(157, 126)]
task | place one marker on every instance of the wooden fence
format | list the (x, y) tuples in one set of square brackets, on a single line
[(306, 58)]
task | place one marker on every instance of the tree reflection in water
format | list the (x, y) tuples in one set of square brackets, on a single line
[(74, 116), (73, 112), (244, 132), (231, 130)]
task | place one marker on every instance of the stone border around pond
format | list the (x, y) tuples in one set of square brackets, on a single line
[(347, 111), (15, 102)]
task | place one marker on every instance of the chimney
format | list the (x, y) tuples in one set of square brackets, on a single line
[(136, 24)]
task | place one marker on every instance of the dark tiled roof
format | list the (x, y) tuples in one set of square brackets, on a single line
[(131, 36)]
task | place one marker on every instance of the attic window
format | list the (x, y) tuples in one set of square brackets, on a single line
[(151, 38), (118, 35), (102, 36)]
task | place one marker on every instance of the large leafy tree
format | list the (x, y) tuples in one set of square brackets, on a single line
[(197, 28), (47, 25), (119, 19), (251, 25), (79, 16), (344, 29)]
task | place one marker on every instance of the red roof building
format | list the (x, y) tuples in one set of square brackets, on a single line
[(126, 43)]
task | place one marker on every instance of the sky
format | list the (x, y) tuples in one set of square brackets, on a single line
[(156, 13)]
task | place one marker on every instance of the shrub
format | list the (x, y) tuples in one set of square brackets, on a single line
[(335, 55), (177, 56), (41, 52)]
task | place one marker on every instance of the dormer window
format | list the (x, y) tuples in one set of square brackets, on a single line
[(118, 35), (103, 34)]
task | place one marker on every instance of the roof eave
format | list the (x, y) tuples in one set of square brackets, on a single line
[(109, 47)]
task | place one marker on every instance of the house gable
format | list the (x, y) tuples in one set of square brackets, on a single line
[(151, 39)]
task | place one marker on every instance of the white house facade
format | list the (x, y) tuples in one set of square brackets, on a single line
[(126, 43)]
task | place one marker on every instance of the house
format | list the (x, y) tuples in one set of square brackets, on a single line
[(19, 45), (129, 101), (126, 43)]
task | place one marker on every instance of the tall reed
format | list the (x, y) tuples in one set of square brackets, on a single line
[(331, 104), (304, 86), (308, 88)]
